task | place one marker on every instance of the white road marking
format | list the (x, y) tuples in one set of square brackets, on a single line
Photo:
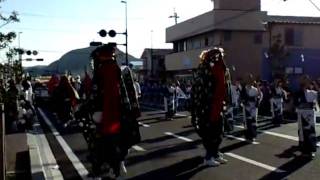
[(281, 135), (241, 158), (179, 137), (138, 148), (177, 114), (82, 171), (240, 139), (275, 134), (256, 163), (181, 115), (144, 125), (293, 138)]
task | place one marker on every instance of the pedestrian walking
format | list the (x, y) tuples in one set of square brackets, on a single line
[(208, 94), (27, 89), (229, 104), (251, 97), (306, 102), (170, 101), (137, 89), (66, 99), (276, 101)]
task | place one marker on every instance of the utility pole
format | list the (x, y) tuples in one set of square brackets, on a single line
[(126, 33), (20, 54), (175, 16), (151, 53)]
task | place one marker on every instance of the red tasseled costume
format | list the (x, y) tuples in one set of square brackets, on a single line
[(219, 93), (110, 83)]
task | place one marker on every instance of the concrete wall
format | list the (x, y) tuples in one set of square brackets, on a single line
[(217, 20), (243, 56)]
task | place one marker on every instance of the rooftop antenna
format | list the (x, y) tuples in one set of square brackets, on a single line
[(175, 16)]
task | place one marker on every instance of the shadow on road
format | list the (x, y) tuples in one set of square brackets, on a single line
[(289, 168), (182, 170), (163, 152)]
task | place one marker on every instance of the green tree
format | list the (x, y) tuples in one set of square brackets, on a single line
[(6, 38)]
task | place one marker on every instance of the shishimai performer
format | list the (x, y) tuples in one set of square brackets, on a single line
[(108, 118), (307, 105), (208, 94)]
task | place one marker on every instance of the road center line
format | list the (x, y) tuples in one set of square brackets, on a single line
[(240, 139), (144, 125), (179, 137), (82, 171), (256, 163)]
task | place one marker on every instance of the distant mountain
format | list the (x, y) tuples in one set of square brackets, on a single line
[(75, 61), (36, 70)]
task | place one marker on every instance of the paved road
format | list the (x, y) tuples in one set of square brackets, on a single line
[(172, 150)]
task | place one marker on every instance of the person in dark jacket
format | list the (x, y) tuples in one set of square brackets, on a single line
[(11, 106), (208, 94)]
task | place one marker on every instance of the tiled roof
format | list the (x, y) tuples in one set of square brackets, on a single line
[(294, 19)]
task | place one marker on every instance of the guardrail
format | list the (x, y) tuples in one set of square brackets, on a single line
[(2, 143)]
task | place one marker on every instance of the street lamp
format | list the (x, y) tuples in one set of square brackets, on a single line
[(126, 32)]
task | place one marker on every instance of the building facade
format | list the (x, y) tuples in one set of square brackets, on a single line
[(247, 34), (154, 63)]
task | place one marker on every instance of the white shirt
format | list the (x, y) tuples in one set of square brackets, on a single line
[(137, 89)]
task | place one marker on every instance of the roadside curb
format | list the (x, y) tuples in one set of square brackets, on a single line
[(36, 169), (43, 164)]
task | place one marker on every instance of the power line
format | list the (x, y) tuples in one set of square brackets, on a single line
[(81, 18), (316, 6), (47, 30)]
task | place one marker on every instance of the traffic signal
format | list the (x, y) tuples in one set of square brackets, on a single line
[(103, 33), (112, 33)]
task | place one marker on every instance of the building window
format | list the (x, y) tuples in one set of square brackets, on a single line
[(175, 47), (298, 37), (189, 44), (206, 41), (211, 41), (289, 36), (196, 44), (293, 37), (258, 38), (182, 46), (227, 35)]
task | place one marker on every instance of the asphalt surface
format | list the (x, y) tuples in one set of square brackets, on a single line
[(172, 150)]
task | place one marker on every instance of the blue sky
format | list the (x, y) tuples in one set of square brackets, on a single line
[(57, 26)]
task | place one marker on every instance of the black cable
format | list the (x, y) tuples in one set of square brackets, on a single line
[(316, 6)]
